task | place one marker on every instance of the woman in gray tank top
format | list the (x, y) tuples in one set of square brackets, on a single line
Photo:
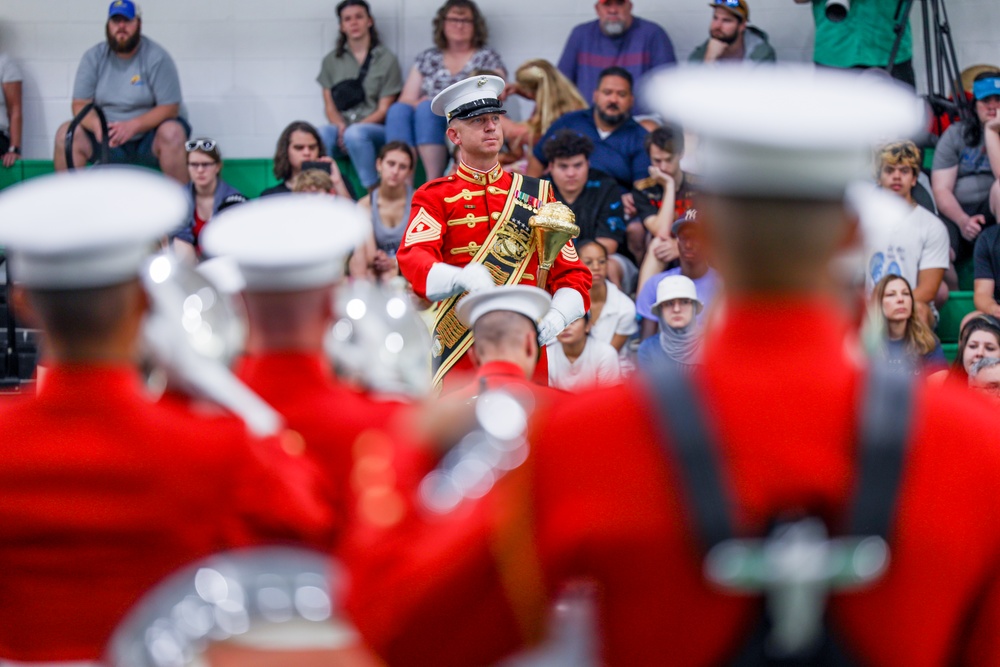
[(389, 203)]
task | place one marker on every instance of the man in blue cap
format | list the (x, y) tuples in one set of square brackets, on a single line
[(134, 80)]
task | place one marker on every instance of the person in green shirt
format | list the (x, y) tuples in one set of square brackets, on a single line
[(863, 39)]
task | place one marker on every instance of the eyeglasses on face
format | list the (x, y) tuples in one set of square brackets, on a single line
[(200, 165), (458, 21), (199, 145)]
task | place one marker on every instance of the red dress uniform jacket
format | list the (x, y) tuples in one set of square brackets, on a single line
[(781, 382), (329, 416), (450, 219), (105, 494)]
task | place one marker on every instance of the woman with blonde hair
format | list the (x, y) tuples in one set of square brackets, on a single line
[(904, 337), (553, 94)]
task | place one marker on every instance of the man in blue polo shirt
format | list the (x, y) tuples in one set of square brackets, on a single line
[(618, 139)]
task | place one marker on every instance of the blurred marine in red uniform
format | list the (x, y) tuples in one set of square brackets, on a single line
[(601, 497), (469, 231), (290, 251), (104, 491)]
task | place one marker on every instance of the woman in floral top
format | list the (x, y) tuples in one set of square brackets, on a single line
[(460, 49)]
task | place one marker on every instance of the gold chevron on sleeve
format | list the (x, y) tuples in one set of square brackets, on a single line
[(423, 228)]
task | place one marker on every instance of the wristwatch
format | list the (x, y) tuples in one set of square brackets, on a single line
[(15, 150)]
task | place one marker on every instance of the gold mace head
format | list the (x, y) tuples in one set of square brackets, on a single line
[(552, 227)]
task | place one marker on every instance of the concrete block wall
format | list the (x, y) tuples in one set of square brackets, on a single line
[(248, 67)]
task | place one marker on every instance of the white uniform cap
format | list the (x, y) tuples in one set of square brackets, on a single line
[(87, 228), (677, 287), (532, 302), (469, 98), (287, 242), (784, 131)]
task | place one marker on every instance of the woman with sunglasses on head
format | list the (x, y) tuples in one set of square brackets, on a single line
[(459, 49), (209, 193)]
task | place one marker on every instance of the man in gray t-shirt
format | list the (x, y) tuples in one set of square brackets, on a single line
[(134, 80)]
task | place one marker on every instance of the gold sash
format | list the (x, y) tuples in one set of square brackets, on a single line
[(506, 253)]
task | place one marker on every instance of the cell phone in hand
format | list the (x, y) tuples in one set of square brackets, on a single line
[(315, 164)]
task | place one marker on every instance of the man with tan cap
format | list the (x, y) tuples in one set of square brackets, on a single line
[(291, 251), (469, 231), (731, 37), (105, 492), (839, 449)]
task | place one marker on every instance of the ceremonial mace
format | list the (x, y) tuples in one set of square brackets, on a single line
[(552, 227)]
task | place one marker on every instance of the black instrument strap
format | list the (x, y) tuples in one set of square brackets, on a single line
[(886, 408), (887, 413), (690, 444)]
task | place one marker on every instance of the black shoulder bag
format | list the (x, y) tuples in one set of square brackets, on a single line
[(349, 93)]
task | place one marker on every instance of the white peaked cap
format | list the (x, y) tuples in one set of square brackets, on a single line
[(677, 287), (532, 302), (87, 228), (784, 130), (470, 97), (287, 242)]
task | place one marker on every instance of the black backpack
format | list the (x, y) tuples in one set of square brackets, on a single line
[(796, 565)]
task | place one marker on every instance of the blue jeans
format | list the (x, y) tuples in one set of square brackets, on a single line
[(363, 142), (416, 126)]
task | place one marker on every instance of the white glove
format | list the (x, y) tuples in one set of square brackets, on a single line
[(566, 308), (444, 280)]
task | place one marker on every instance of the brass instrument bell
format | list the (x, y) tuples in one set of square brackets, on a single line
[(552, 227)]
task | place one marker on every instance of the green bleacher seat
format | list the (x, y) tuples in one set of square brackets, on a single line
[(950, 351), (251, 176), (966, 274), (958, 306)]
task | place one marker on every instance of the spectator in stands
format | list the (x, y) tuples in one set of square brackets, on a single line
[(965, 188), (460, 37), (298, 144), (664, 196), (693, 264), (209, 193), (862, 38), (680, 337), (358, 129), (618, 139), (904, 337), (594, 197), (11, 117), (577, 360), (915, 247), (615, 39), (980, 337), (984, 377), (313, 181), (731, 37), (553, 94), (389, 206), (612, 313), (134, 80)]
